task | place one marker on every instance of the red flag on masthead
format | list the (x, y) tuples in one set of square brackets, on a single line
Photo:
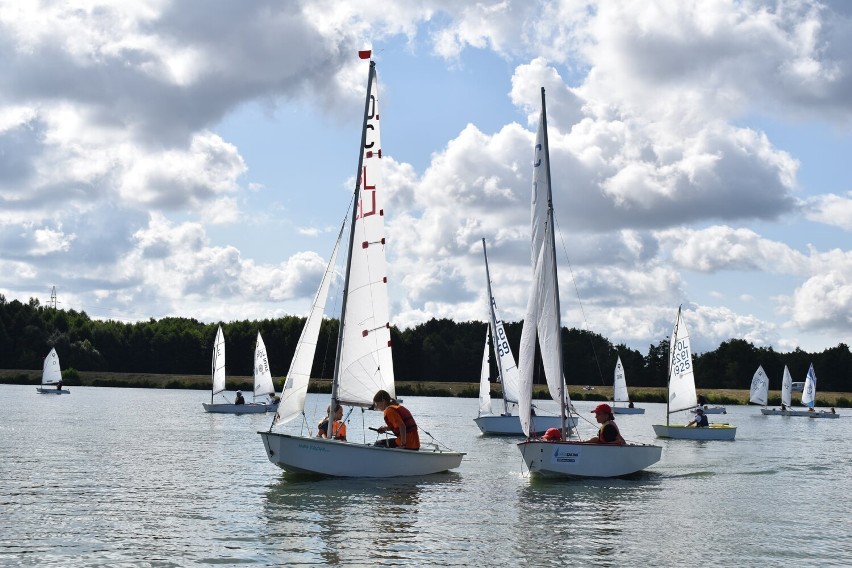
[(365, 53)]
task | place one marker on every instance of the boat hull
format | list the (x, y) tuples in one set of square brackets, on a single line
[(713, 432), (511, 425), (799, 413), (626, 410), (319, 456), (235, 408), (714, 409), (53, 390), (576, 459)]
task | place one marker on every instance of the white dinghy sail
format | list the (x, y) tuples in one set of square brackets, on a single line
[(786, 398), (506, 423), (620, 394), (681, 391), (263, 385), (363, 361), (218, 368), (51, 375), (560, 458)]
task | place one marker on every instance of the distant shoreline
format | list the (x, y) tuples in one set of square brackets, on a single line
[(409, 388)]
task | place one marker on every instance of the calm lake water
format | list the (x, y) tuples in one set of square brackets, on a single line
[(138, 477)]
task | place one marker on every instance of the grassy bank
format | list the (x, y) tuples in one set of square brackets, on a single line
[(72, 377)]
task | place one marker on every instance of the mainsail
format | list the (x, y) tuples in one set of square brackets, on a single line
[(219, 362), (809, 392), (759, 391), (508, 370), (262, 375), (619, 384), (51, 373), (484, 383), (682, 394), (787, 388)]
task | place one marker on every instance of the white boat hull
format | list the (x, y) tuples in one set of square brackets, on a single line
[(576, 459), (54, 390), (511, 425), (800, 413), (714, 409), (626, 410), (235, 408), (319, 456), (713, 432)]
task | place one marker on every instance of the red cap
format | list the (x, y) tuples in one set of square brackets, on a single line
[(552, 434), (602, 407)]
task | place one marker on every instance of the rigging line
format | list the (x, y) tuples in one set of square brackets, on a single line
[(579, 300)]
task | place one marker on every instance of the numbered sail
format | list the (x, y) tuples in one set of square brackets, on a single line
[(219, 362), (262, 375), (809, 392), (296, 386), (508, 369), (365, 362), (682, 394), (759, 392), (619, 384), (51, 372), (484, 382)]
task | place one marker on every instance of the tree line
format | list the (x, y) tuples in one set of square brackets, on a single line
[(439, 350)]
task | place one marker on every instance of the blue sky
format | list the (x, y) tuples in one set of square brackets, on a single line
[(196, 159)]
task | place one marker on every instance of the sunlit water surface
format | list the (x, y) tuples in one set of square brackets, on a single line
[(143, 477)]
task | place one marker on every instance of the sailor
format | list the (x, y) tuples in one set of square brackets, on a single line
[(608, 433)]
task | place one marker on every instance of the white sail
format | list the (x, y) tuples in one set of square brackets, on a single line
[(619, 384), (682, 394), (542, 318), (809, 392), (51, 373), (508, 370), (262, 375), (365, 361), (219, 362), (787, 388), (484, 383), (296, 386), (759, 392)]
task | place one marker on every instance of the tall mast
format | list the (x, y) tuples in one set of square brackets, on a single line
[(493, 323), (562, 409), (355, 206)]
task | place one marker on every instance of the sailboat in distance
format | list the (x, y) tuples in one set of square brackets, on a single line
[(51, 375), (620, 394), (561, 457), (363, 359), (218, 386)]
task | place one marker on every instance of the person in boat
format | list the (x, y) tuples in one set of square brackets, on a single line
[(274, 399), (700, 420), (608, 432), (338, 428), (239, 399), (552, 435), (811, 409), (832, 410), (783, 407), (702, 400), (59, 386), (397, 420), (630, 404)]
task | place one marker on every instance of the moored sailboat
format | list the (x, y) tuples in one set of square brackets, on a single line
[(620, 394), (681, 392), (363, 360), (505, 423), (562, 457), (218, 371), (51, 375)]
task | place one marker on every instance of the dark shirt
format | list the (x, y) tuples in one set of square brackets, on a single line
[(240, 399)]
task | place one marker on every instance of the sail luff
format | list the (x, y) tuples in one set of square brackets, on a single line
[(295, 388)]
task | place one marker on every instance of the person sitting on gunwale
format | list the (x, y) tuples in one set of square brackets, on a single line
[(399, 421), (700, 420), (608, 433)]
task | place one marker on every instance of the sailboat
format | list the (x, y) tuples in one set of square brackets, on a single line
[(263, 385), (620, 394), (219, 384), (808, 398), (681, 392), (363, 359), (506, 423), (563, 457), (786, 396), (51, 375)]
